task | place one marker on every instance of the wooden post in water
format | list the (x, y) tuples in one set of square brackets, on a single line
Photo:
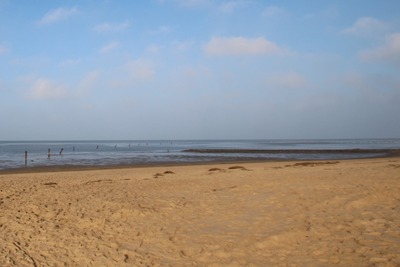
[(26, 157)]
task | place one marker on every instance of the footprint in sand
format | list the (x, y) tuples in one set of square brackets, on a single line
[(157, 175), (216, 170)]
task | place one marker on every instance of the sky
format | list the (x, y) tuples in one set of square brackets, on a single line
[(199, 69)]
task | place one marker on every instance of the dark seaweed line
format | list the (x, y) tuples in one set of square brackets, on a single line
[(296, 151)]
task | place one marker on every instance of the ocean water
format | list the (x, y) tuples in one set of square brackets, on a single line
[(133, 152)]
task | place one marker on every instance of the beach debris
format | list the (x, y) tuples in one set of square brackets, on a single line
[(51, 184), (19, 247), (394, 165), (99, 181), (216, 170), (312, 163), (278, 167), (224, 188), (158, 175), (238, 168)]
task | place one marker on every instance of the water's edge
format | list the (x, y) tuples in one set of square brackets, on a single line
[(52, 155)]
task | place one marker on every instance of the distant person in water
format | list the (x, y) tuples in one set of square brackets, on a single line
[(61, 151)]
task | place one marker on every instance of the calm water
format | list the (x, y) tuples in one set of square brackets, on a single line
[(100, 153)]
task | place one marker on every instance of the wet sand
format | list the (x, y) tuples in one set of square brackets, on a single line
[(312, 213)]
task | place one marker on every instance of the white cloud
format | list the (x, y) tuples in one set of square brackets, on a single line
[(287, 80), (230, 6), (161, 30), (3, 50), (133, 73), (388, 52), (329, 13), (32, 62), (140, 70), (240, 46), (70, 62), (273, 11), (192, 3), (46, 89), (153, 49), (110, 27), (58, 14), (109, 47), (189, 78), (366, 26), (87, 82), (354, 80), (182, 46), (381, 90)]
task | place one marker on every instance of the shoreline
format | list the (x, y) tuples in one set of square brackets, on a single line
[(73, 168), (89, 155), (388, 151), (375, 154)]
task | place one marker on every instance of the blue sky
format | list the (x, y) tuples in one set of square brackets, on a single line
[(199, 69)]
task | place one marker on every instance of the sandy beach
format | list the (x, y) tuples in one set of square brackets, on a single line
[(315, 213)]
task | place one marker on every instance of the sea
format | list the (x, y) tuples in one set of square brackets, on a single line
[(22, 154)]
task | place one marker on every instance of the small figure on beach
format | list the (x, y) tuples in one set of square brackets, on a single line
[(26, 157), (48, 153), (61, 151)]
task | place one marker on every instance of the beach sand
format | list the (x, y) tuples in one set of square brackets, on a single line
[(321, 213)]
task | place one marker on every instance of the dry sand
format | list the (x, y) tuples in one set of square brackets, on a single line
[(342, 213)]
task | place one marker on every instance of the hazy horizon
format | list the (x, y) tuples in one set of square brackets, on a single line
[(196, 140), (199, 70)]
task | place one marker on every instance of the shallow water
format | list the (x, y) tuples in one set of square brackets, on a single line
[(134, 152)]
